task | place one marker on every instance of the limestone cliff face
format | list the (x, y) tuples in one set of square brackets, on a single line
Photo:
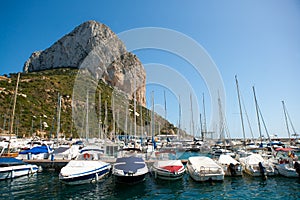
[(78, 49)]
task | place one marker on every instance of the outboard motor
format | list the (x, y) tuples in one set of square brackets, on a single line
[(297, 167), (262, 170), (232, 169)]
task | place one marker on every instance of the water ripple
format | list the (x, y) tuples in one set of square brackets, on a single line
[(47, 186)]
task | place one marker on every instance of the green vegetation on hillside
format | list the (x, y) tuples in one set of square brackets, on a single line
[(36, 107)]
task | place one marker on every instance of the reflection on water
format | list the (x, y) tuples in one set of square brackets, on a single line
[(46, 185)]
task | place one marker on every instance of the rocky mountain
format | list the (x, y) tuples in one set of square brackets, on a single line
[(94, 47)]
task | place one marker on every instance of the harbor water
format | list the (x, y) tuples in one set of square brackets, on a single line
[(46, 185)]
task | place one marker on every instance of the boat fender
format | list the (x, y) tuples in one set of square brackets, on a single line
[(86, 156), (40, 169), (96, 177), (30, 172), (262, 170), (297, 167), (232, 169)]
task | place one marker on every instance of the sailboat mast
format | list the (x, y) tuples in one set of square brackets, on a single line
[(204, 117), (201, 128), (165, 109), (113, 116), (134, 106), (126, 114), (221, 122), (105, 121), (192, 117), (141, 120), (100, 121), (14, 108), (179, 120), (240, 107), (257, 113), (58, 116), (87, 116), (152, 115), (286, 120)]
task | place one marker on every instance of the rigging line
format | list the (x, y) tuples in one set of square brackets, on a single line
[(263, 121), (248, 120), (272, 149), (286, 119), (291, 122), (226, 129)]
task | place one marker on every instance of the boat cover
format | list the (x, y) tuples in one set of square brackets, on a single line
[(254, 159), (10, 161), (129, 164), (227, 159), (202, 161), (60, 150), (37, 150)]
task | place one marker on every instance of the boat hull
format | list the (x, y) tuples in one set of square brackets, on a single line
[(80, 172), (17, 171), (91, 177), (130, 170), (167, 175), (227, 171), (204, 177), (286, 170), (130, 179), (202, 168), (253, 170)]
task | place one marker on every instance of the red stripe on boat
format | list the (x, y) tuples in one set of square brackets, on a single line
[(172, 168)]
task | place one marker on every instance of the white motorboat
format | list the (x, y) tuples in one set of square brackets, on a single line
[(12, 168), (291, 169), (287, 163), (255, 165), (230, 166), (203, 168), (168, 169), (87, 168), (130, 170), (65, 152)]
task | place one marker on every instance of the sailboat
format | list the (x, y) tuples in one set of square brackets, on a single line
[(10, 167), (255, 164), (6, 151), (131, 168)]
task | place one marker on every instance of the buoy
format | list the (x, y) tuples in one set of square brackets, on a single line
[(86, 156)]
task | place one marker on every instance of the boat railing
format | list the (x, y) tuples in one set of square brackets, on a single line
[(210, 170)]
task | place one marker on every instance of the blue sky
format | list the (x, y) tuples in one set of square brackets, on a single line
[(257, 40)]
